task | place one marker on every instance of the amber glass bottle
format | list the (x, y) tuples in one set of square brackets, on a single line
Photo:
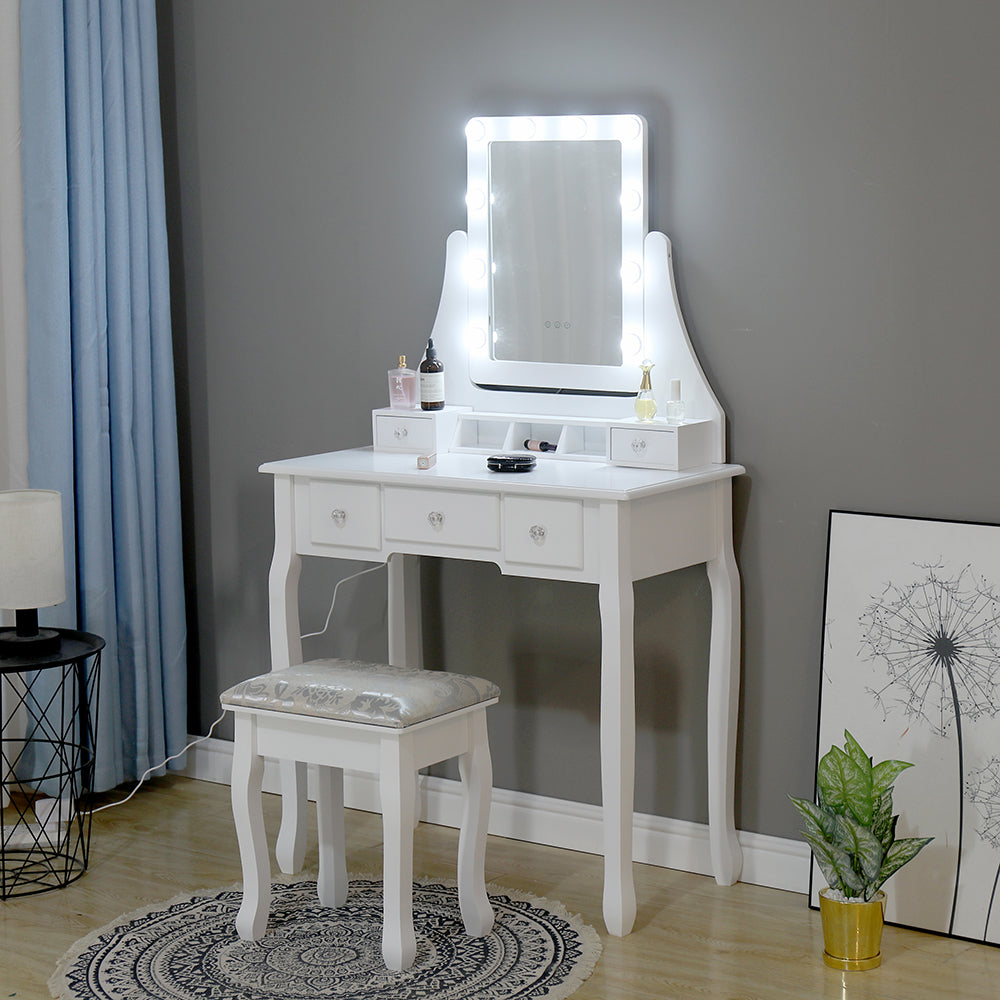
[(431, 380)]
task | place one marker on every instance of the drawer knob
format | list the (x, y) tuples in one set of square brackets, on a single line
[(638, 445), (338, 516), (399, 433), (537, 533), (435, 518)]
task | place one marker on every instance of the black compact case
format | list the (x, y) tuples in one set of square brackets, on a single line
[(510, 463)]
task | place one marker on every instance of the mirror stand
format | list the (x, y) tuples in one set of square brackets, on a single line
[(553, 300), (490, 418)]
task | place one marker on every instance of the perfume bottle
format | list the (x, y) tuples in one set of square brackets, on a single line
[(645, 405), (431, 380), (675, 405), (403, 393)]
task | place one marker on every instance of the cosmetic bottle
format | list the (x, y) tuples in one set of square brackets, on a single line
[(675, 405), (431, 380), (403, 394), (645, 405), (533, 445)]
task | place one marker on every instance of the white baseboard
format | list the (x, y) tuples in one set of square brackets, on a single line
[(774, 862)]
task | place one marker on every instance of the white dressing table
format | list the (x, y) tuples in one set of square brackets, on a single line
[(564, 521), (601, 509)]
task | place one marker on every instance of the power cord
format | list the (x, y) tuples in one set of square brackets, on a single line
[(156, 767), (333, 600), (211, 729)]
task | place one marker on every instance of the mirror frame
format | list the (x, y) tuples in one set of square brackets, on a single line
[(484, 370)]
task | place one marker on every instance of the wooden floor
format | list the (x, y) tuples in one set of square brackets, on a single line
[(692, 938)]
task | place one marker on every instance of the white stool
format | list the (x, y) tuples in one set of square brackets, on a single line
[(373, 717)]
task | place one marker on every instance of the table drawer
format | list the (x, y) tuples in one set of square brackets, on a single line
[(442, 517), (543, 532), (344, 514)]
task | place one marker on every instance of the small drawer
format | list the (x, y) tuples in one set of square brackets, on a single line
[(543, 532), (344, 514), (661, 446), (442, 517), (404, 432)]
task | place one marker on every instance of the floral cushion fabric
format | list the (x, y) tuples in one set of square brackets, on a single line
[(353, 691)]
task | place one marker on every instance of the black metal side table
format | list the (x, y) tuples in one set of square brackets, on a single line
[(47, 726)]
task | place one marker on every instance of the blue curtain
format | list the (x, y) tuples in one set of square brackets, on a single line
[(101, 405)]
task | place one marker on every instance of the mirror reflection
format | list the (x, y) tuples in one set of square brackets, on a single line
[(555, 246)]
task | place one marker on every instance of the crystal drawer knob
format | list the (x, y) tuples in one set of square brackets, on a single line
[(435, 518), (638, 445), (338, 516), (399, 433), (537, 533)]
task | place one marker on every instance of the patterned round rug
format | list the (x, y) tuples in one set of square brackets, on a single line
[(187, 948)]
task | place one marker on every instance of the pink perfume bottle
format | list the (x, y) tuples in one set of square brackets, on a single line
[(403, 391)]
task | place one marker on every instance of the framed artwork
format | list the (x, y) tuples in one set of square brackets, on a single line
[(911, 666)]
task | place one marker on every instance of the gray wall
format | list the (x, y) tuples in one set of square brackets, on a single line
[(827, 172)]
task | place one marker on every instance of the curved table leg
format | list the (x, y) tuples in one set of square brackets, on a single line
[(248, 816), (617, 606), (476, 770), (723, 696), (286, 650)]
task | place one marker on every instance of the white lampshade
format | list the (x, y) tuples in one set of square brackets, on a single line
[(31, 549)]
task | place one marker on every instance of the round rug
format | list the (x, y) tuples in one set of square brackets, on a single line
[(187, 949)]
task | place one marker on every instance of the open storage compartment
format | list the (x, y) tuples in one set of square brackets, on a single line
[(578, 438)]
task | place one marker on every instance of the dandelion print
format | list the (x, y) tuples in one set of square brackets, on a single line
[(939, 640), (983, 791)]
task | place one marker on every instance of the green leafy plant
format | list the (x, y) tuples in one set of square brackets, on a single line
[(851, 828)]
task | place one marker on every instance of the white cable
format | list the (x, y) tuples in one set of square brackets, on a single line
[(158, 766), (333, 600), (310, 635)]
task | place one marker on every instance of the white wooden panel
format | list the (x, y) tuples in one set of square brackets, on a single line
[(673, 530)]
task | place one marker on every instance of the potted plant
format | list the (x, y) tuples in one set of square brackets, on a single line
[(852, 832)]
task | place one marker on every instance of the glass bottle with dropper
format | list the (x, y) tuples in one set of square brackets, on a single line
[(431, 380)]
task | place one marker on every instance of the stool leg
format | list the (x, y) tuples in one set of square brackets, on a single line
[(248, 815), (476, 771), (290, 849), (332, 887), (396, 787)]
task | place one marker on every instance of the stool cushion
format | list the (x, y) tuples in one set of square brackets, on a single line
[(354, 691)]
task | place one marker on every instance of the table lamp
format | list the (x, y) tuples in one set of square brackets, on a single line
[(32, 574)]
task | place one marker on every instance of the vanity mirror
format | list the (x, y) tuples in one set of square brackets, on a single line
[(557, 293), (556, 221)]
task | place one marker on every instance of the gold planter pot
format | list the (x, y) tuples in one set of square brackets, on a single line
[(852, 931)]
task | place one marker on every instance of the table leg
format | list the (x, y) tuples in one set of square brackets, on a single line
[(248, 815), (396, 770), (405, 647), (723, 696), (286, 650), (617, 606), (404, 610)]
